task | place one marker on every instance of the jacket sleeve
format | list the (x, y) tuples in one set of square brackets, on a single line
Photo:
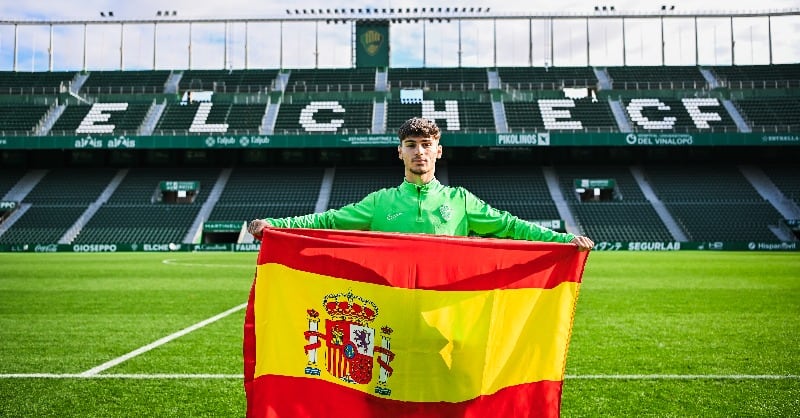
[(355, 216), (485, 220)]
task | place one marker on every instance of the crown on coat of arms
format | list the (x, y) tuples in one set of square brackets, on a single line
[(350, 307)]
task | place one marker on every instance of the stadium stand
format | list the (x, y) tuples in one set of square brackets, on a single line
[(268, 192), (21, 119), (203, 118), (228, 81), (771, 114), (324, 117), (57, 201), (179, 117), (125, 82), (459, 115), (40, 82), (331, 80), (8, 178), (684, 115), (70, 187), (439, 79), (713, 202), (656, 99), (629, 217), (582, 114), (101, 118), (786, 178), (133, 212), (758, 76), (652, 77), (42, 224), (521, 191), (546, 78), (352, 184)]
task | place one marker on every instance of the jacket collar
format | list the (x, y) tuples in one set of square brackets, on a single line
[(411, 187)]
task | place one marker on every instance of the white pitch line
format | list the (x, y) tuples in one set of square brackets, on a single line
[(109, 364), (568, 377), (176, 262)]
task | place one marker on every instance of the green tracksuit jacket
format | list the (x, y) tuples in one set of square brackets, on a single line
[(431, 208)]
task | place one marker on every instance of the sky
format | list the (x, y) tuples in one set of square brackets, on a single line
[(106, 44)]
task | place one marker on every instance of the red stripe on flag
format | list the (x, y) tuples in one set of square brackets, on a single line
[(249, 348), (440, 262), (293, 397)]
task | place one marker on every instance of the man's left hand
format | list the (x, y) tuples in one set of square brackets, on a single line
[(583, 243)]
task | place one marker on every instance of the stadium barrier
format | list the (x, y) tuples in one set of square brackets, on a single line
[(253, 247), (533, 139)]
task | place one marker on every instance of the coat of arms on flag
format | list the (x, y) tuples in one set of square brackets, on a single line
[(351, 342)]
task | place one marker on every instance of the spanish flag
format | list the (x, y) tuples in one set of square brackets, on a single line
[(368, 324)]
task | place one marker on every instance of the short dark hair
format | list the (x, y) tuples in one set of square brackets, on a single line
[(419, 127)]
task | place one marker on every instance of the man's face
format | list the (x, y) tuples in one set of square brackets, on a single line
[(419, 154)]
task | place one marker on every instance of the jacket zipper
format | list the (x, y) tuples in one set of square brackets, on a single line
[(419, 204)]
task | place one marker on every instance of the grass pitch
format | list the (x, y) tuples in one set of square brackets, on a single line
[(712, 334)]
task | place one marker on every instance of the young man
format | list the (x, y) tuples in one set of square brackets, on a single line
[(423, 205)]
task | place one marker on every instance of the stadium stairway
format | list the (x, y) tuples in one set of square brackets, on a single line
[(603, 79), (174, 79), (270, 117), (499, 113), (18, 193), (196, 230), (770, 192), (325, 187), (73, 231), (558, 198), (50, 119), (741, 124), (381, 80), (24, 185), (677, 232), (77, 82), (619, 115), (152, 117), (379, 117), (710, 78), (9, 222)]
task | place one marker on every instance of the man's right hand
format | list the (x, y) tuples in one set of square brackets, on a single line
[(256, 226)]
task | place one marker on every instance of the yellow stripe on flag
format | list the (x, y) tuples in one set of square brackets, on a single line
[(448, 345)]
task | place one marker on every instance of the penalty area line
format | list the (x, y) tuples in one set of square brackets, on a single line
[(109, 364)]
